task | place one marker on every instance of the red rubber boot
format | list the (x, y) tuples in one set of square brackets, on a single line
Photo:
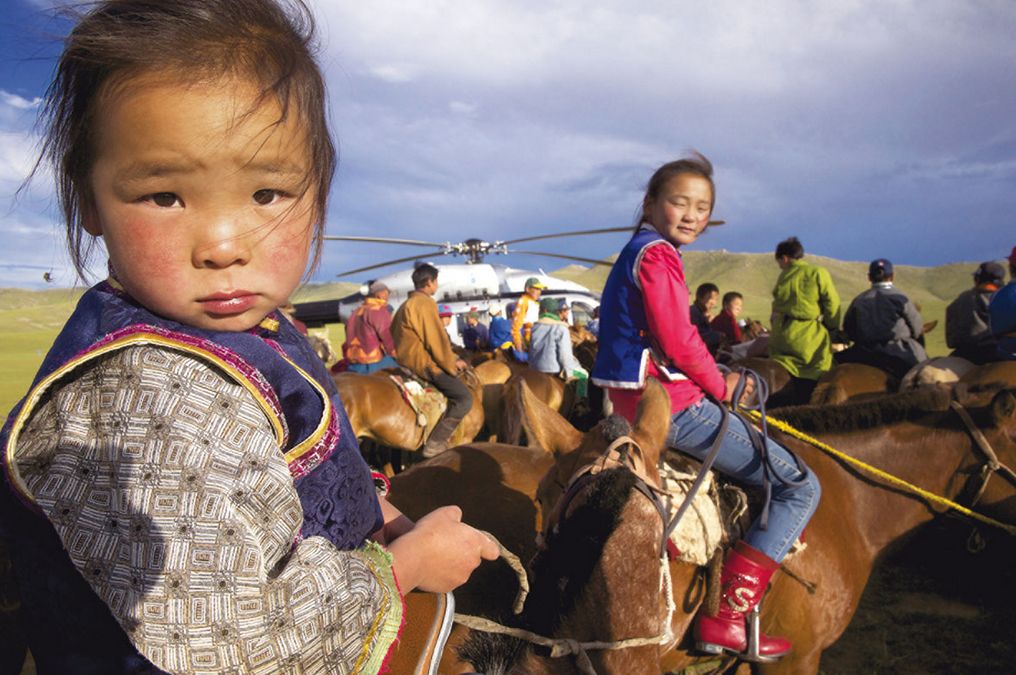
[(744, 579)]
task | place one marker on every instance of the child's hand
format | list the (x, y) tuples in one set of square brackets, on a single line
[(440, 552)]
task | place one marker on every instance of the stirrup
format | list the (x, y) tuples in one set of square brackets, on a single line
[(752, 653)]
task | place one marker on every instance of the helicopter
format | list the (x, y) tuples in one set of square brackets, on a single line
[(472, 286)]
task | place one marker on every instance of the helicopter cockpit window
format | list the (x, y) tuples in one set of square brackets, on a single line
[(581, 313)]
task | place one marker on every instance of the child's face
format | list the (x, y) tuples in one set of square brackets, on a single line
[(197, 196), (680, 212), (734, 307)]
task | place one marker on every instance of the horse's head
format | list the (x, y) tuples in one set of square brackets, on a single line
[(614, 439), (992, 483)]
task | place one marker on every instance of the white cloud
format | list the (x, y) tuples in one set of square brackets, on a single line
[(15, 101)]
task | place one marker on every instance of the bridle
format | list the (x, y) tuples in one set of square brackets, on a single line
[(978, 483), (623, 452)]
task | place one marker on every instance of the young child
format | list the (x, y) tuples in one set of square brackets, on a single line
[(181, 488), (725, 322), (647, 332)]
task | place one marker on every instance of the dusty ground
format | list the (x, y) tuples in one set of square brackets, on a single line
[(932, 607)]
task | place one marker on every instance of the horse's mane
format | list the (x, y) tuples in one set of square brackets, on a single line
[(868, 414), (560, 571)]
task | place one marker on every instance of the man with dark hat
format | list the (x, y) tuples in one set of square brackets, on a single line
[(1002, 315), (369, 345), (967, 329), (884, 324), (526, 313)]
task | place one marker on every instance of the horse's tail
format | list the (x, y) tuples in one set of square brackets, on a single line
[(511, 426)]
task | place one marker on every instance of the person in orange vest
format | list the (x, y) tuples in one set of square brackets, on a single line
[(527, 311)]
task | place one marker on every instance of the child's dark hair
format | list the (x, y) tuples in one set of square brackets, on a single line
[(730, 296), (705, 290), (423, 275), (696, 165), (792, 248), (269, 42)]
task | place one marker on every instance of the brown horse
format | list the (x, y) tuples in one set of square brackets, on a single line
[(378, 412), (601, 581), (852, 382)]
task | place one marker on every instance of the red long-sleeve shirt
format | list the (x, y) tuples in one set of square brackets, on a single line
[(726, 323), (665, 296)]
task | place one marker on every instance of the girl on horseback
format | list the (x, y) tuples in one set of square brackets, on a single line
[(181, 489), (646, 332)]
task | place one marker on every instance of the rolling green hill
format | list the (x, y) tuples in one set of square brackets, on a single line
[(29, 320)]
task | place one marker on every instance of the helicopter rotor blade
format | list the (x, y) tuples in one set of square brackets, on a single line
[(383, 240), (384, 264), (606, 263), (568, 234)]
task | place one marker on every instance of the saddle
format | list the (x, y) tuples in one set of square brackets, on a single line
[(426, 624), (422, 397), (719, 514)]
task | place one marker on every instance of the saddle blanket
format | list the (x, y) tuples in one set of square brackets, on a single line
[(427, 402), (712, 520)]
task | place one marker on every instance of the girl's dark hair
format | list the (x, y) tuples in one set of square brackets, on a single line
[(696, 164), (269, 42), (792, 248), (705, 290)]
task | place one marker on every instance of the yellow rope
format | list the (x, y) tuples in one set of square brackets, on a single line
[(888, 477)]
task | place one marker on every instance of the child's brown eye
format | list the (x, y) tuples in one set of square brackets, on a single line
[(164, 199), (266, 196)]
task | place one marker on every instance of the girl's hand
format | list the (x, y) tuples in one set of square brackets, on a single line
[(749, 389), (440, 552)]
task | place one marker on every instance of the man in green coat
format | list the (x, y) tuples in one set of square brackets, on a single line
[(806, 308)]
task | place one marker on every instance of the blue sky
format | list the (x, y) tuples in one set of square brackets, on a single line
[(865, 128)]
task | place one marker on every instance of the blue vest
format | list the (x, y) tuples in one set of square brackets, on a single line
[(625, 345), (69, 627)]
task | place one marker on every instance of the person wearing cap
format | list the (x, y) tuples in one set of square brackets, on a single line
[(369, 345), (806, 310), (884, 325), (550, 350), (967, 328), (424, 348), (475, 336), (526, 313), (448, 319), (1002, 315), (500, 332)]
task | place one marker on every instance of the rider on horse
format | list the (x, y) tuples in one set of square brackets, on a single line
[(551, 347), (646, 332), (1003, 314), (884, 324), (425, 349)]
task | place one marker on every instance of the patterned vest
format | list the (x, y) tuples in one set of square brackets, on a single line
[(625, 345), (275, 363)]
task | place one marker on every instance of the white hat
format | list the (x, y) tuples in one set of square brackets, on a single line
[(494, 308)]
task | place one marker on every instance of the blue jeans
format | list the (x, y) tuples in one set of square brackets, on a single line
[(692, 432), (367, 368)]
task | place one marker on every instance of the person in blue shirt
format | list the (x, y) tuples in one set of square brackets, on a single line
[(1002, 314), (475, 335)]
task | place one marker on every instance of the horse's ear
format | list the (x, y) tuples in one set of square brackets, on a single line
[(652, 418), (1003, 406), (544, 427)]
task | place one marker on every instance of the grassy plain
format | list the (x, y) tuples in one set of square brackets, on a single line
[(30, 320)]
